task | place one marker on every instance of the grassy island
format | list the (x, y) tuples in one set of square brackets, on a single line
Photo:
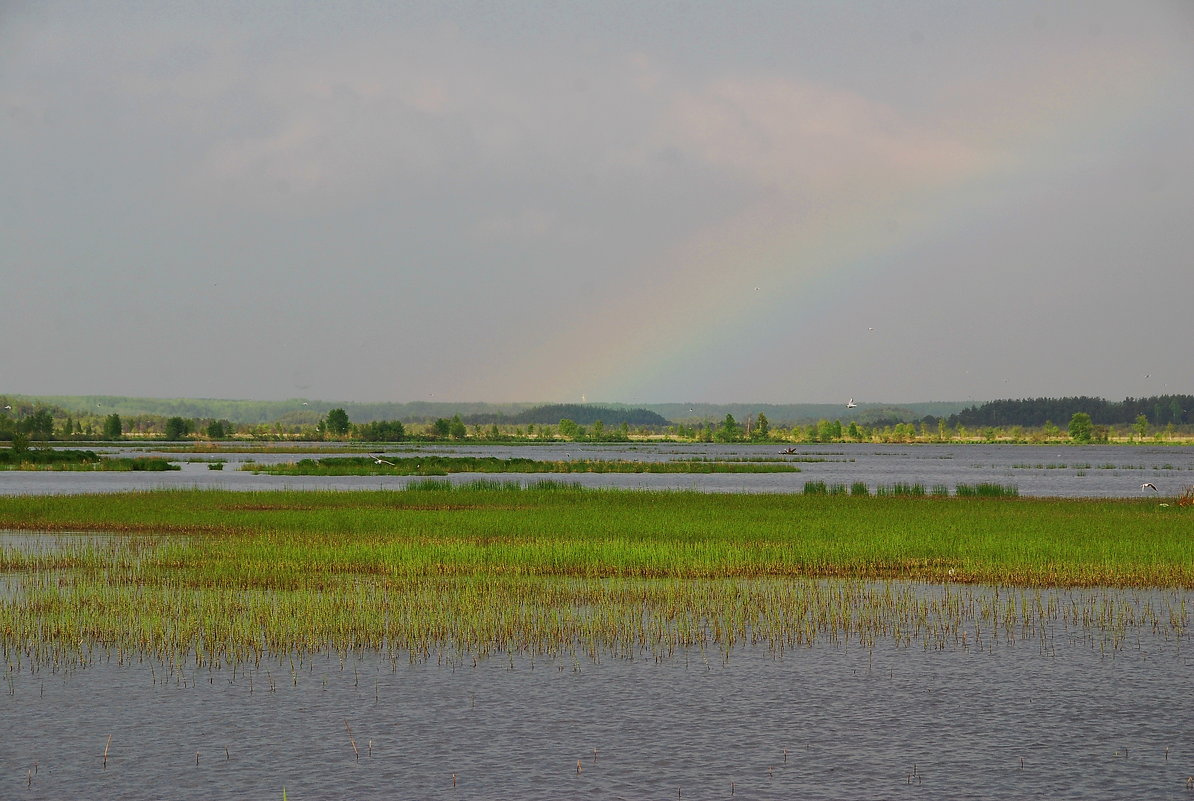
[(431, 465)]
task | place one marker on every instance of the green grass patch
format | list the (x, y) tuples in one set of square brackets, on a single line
[(429, 465), (77, 460), (225, 576), (987, 490)]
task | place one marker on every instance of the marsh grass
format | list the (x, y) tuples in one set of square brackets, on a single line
[(98, 464), (13, 458), (902, 489), (225, 577), (987, 490), (431, 465)]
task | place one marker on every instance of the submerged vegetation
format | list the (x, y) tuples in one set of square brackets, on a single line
[(495, 567)]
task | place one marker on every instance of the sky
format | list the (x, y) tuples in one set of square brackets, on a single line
[(634, 202)]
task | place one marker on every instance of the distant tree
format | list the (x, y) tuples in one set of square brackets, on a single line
[(729, 430), (20, 445), (569, 428), (762, 429), (1141, 425), (457, 429), (219, 429), (337, 423), (1081, 427), (68, 428), (39, 425), (441, 427), (829, 430), (112, 427), (177, 428), (1175, 411), (382, 431)]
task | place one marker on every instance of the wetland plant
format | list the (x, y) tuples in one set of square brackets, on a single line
[(987, 490)]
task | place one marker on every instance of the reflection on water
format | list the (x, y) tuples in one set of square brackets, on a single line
[(832, 721), (1057, 471)]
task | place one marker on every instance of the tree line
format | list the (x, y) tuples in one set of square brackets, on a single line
[(44, 423), (1158, 410)]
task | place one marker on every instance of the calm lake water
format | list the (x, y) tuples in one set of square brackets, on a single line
[(1066, 718), (1058, 471), (829, 722)]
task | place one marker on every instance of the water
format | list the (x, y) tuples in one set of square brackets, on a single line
[(1071, 720), (1010, 722), (1040, 471)]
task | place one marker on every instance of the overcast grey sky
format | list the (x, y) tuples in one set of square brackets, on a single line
[(616, 201)]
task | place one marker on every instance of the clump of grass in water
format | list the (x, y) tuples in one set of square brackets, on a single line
[(902, 489), (987, 490)]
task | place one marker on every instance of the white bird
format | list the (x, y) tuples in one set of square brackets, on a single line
[(851, 404), (1149, 485), (378, 460)]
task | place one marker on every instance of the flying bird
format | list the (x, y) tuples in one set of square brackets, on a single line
[(1149, 485), (378, 460), (851, 404)]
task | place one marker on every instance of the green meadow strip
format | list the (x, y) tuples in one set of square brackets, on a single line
[(428, 465), (48, 459), (227, 577)]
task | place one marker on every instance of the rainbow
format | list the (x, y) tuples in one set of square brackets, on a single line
[(789, 267)]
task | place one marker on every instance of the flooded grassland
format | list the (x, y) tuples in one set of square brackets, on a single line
[(466, 641)]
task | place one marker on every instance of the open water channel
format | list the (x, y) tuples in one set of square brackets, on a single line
[(1038, 471), (1059, 716)]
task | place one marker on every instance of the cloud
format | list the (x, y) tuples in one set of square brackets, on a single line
[(527, 225), (784, 131)]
